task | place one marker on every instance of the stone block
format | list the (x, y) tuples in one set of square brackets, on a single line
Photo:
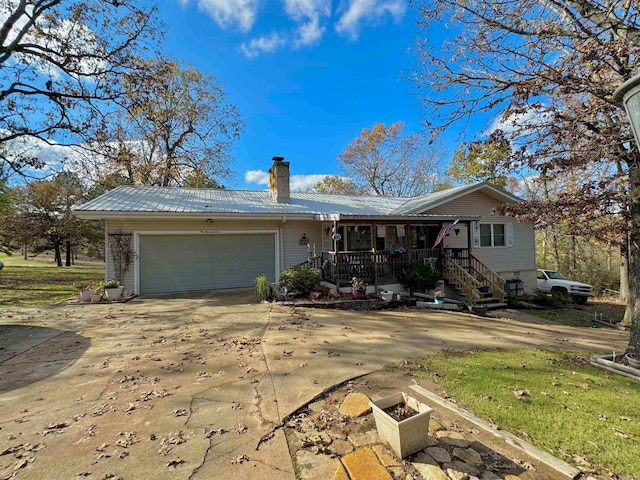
[(355, 405), (363, 465)]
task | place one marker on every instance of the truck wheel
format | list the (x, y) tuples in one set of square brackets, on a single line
[(580, 300)]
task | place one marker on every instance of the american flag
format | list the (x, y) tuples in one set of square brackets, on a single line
[(443, 232)]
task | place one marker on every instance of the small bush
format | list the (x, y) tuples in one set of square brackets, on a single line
[(551, 300), (417, 277), (299, 282), (264, 289)]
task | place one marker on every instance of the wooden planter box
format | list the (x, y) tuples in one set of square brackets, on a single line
[(406, 436)]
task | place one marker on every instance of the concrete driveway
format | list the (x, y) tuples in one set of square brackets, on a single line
[(195, 388)]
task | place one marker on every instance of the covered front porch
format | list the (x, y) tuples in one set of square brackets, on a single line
[(377, 252)]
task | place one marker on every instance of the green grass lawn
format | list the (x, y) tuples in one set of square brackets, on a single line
[(38, 282), (554, 399)]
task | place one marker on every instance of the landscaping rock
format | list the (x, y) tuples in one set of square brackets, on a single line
[(386, 456), (430, 472), (439, 454), (363, 465), (435, 426), (422, 457), (314, 466), (364, 439), (454, 439), (355, 405), (468, 455)]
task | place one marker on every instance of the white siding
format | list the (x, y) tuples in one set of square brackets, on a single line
[(292, 231), (504, 260)]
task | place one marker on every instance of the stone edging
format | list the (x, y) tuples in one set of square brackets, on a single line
[(555, 463)]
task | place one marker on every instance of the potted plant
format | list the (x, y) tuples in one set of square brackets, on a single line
[(402, 422), (438, 296), (358, 289), (112, 289), (85, 291)]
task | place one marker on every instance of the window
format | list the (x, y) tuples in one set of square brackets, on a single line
[(355, 238), (494, 235)]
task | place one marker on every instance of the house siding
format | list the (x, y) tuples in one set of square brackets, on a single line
[(507, 261), (292, 231)]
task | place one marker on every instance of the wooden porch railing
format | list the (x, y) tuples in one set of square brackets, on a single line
[(461, 269), (375, 268), (462, 280), (486, 275)]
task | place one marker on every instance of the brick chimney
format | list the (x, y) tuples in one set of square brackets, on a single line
[(279, 180)]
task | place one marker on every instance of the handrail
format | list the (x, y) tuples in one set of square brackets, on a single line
[(487, 275), (461, 279)]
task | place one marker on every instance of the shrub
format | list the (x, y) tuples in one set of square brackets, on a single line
[(111, 284), (299, 282), (264, 289), (551, 300), (417, 277)]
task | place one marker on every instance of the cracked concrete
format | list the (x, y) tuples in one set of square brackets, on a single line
[(198, 387)]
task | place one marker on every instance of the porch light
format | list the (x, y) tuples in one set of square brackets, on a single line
[(303, 240), (629, 94)]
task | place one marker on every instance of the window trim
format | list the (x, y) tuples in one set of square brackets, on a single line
[(508, 235)]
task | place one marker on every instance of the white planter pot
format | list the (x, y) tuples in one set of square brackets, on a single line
[(85, 295), (386, 296), (113, 293), (406, 436)]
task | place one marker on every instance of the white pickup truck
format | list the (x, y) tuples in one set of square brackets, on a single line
[(552, 281)]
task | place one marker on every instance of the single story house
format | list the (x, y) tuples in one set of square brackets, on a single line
[(167, 239)]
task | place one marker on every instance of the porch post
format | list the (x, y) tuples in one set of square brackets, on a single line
[(374, 237), (335, 249)]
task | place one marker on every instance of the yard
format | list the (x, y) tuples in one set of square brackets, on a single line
[(553, 399), (40, 282)]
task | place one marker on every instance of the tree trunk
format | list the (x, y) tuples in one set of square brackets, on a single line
[(57, 253), (67, 262), (632, 313), (25, 250), (624, 270)]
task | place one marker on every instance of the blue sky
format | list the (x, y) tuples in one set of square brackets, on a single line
[(306, 75)]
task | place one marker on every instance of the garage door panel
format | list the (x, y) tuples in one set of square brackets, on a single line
[(181, 263)]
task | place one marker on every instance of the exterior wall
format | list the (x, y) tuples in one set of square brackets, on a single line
[(518, 260), (292, 231), (192, 226)]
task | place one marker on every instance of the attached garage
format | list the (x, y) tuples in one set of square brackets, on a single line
[(183, 263)]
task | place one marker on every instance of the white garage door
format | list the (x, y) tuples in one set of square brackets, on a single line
[(183, 263)]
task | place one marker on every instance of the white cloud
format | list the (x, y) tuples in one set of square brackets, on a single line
[(308, 14), (298, 182), (230, 13), (50, 156), (257, 176), (357, 12), (263, 45), (304, 182), (309, 33)]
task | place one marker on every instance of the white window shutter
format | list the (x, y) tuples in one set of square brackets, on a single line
[(475, 232), (508, 234)]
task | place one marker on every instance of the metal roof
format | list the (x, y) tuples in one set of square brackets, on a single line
[(144, 200)]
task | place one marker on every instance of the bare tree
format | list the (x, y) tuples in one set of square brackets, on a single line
[(60, 66), (547, 70), (386, 162)]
